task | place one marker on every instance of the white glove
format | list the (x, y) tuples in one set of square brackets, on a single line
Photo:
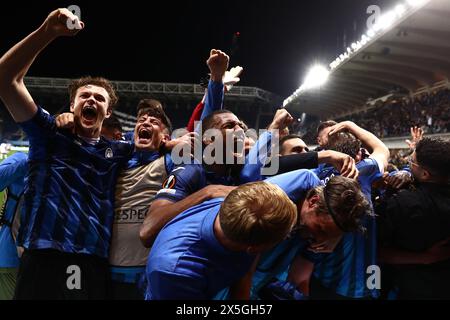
[(231, 77)]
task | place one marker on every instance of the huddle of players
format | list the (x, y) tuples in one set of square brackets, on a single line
[(138, 225)]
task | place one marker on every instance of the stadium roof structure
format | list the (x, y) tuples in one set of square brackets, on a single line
[(179, 99), (408, 51), (163, 91)]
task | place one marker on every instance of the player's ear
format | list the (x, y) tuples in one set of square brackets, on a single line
[(426, 175), (313, 201), (108, 112), (359, 156), (118, 135), (164, 138)]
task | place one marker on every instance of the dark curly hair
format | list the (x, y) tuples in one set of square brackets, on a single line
[(344, 142), (433, 154), (154, 108), (112, 123), (210, 121), (325, 124), (95, 81)]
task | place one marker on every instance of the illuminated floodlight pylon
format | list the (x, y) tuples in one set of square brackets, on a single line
[(386, 22)]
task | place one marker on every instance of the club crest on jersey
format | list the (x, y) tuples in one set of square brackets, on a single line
[(170, 182), (108, 153)]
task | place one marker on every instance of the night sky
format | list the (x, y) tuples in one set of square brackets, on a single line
[(169, 41)]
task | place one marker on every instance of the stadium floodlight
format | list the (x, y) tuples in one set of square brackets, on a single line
[(400, 10), (364, 40), (316, 77), (383, 24), (387, 20), (370, 33), (319, 75), (416, 3)]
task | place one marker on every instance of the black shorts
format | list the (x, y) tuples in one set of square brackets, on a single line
[(55, 275)]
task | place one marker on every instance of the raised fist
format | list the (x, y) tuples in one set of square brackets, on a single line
[(217, 64), (62, 22), (281, 120), (65, 121)]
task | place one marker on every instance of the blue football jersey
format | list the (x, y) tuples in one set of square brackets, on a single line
[(69, 195), (345, 269)]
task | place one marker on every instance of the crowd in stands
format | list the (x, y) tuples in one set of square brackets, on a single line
[(395, 117)]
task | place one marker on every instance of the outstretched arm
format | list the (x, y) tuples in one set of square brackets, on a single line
[(162, 211), (196, 115), (379, 150), (15, 63), (416, 136), (218, 65), (230, 78), (263, 148)]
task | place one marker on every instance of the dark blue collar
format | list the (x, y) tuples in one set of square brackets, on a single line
[(140, 158), (214, 178)]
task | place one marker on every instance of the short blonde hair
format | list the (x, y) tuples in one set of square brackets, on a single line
[(257, 213)]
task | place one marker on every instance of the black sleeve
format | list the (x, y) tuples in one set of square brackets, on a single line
[(293, 162), (402, 223), (386, 212)]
